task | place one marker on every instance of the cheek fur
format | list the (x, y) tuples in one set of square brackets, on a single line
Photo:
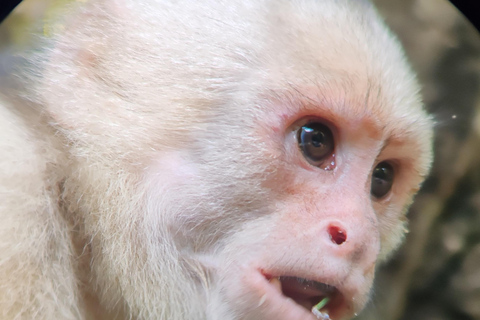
[(171, 167), (167, 182)]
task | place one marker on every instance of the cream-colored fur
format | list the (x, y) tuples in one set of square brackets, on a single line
[(152, 168)]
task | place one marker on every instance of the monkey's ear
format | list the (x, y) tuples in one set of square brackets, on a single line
[(81, 47)]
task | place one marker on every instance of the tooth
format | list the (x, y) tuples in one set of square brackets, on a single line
[(276, 283)]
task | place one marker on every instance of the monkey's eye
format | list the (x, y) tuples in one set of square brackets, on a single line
[(382, 179), (316, 142)]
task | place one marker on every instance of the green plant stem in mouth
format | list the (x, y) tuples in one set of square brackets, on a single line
[(322, 303), (316, 309)]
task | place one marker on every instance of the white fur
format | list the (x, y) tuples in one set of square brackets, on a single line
[(141, 171)]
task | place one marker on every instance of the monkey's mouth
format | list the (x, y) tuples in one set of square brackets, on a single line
[(323, 300)]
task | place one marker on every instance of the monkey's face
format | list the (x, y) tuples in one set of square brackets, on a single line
[(255, 160), (291, 202)]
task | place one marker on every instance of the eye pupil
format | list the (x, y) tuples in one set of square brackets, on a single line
[(316, 142), (382, 179), (318, 139)]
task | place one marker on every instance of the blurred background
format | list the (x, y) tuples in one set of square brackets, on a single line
[(436, 274)]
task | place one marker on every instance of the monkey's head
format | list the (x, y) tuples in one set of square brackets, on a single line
[(235, 159)]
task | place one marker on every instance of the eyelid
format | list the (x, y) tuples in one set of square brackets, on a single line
[(297, 124)]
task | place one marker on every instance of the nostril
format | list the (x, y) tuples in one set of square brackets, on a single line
[(337, 234)]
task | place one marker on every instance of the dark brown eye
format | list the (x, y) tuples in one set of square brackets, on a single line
[(382, 179), (316, 142)]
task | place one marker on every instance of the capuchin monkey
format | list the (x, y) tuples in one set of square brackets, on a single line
[(207, 160)]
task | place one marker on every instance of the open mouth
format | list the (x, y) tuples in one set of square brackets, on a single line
[(321, 299)]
